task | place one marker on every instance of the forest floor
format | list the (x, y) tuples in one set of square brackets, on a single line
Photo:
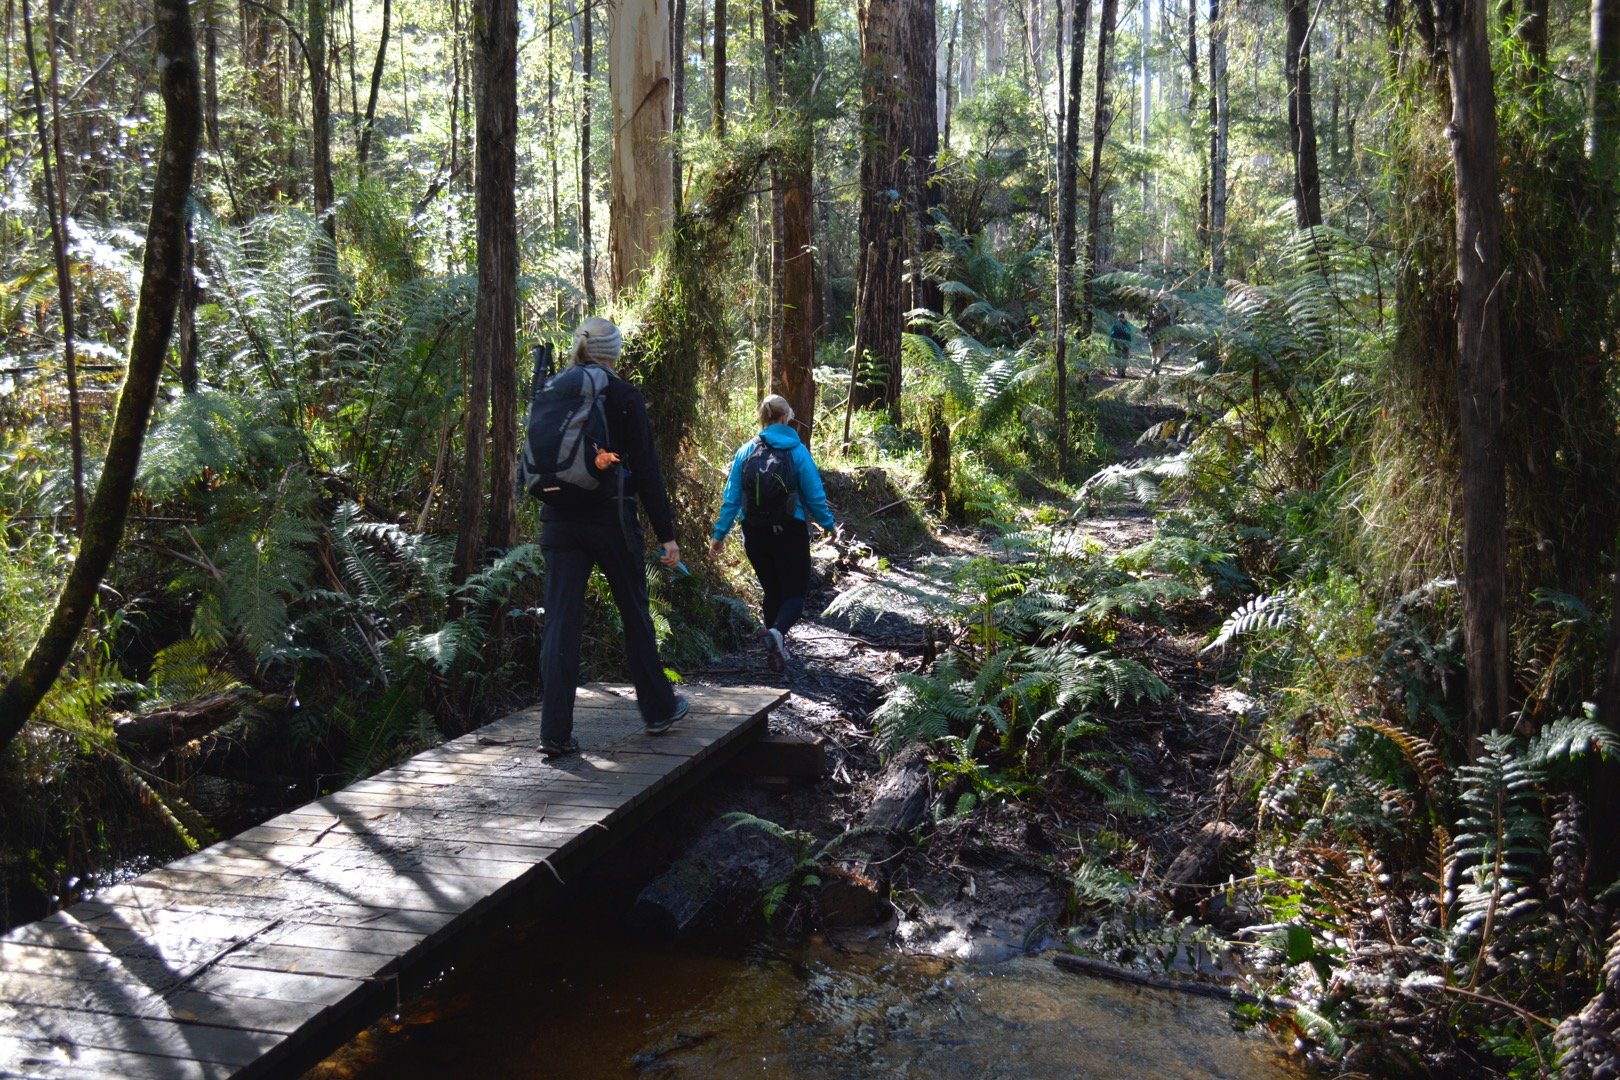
[(996, 880)]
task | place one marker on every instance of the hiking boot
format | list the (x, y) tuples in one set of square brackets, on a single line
[(776, 654), (553, 748), (682, 707)]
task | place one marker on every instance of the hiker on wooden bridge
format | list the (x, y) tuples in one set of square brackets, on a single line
[(599, 459)]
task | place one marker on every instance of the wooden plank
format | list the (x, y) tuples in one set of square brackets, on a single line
[(208, 1005), (47, 1060), (339, 951), (138, 981), (142, 1035), (284, 847)]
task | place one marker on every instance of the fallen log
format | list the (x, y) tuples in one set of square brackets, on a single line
[(165, 729), (1082, 965), (854, 891), (727, 870)]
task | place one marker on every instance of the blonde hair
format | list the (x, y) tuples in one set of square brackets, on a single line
[(774, 410), (596, 341)]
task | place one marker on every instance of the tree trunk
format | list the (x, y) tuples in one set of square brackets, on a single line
[(1533, 33), (1218, 115), (495, 340), (770, 31), (793, 368), (925, 148), (1604, 89), (586, 247), (186, 313), (1301, 123), (949, 82), (1068, 196), (677, 54), (149, 345), (552, 137), (995, 37), (320, 96), (718, 106), (886, 143), (50, 157), (643, 183), (376, 85), (1145, 82), (1102, 120), (1472, 132)]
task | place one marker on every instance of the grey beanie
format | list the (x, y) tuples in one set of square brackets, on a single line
[(597, 340)]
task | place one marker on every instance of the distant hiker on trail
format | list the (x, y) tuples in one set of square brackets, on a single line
[(589, 479), (773, 485), (1120, 335)]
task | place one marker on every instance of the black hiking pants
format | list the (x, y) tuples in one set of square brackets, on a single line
[(780, 556), (571, 549)]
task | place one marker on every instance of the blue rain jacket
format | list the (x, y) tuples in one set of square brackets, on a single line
[(812, 496)]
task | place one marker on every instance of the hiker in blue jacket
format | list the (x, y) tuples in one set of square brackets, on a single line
[(775, 488)]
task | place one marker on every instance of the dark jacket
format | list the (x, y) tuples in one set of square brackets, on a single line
[(630, 434)]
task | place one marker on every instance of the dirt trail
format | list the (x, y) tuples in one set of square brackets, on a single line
[(993, 881)]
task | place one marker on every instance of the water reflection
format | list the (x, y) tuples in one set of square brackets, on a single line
[(580, 1006)]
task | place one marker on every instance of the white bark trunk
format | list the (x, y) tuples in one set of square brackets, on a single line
[(640, 84)]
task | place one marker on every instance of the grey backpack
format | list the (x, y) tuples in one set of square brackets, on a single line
[(566, 426)]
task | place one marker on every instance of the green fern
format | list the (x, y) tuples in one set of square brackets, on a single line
[(1572, 737), (1272, 612), (1499, 844), (186, 670)]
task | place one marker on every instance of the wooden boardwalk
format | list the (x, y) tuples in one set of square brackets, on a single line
[(258, 955)]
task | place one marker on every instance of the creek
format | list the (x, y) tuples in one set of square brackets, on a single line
[(557, 1003)]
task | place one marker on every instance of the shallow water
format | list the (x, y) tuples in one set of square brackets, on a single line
[(582, 1006)]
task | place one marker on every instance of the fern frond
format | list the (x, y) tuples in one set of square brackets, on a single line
[(1571, 737), (1271, 612)]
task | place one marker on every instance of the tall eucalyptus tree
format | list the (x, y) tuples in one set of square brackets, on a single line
[(641, 87)]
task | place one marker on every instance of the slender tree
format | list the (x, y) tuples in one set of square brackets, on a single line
[(178, 80), (1102, 121), (50, 156), (1472, 132), (1301, 123), (494, 362), (320, 96), (1603, 93), (924, 98), (677, 55), (376, 86), (1068, 197), (718, 106), (586, 242), (1218, 118)]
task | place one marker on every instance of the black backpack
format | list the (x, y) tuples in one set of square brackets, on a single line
[(566, 426), (770, 485)]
